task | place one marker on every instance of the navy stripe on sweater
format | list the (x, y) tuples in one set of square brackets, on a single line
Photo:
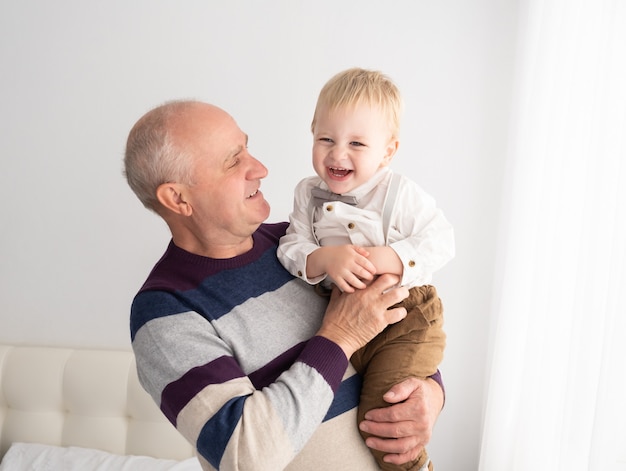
[(182, 281), (217, 432), (177, 395)]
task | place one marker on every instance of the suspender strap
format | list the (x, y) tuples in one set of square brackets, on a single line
[(390, 202)]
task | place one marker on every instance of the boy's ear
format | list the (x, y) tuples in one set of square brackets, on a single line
[(390, 151), (172, 197)]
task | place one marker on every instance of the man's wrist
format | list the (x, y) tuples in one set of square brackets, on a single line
[(332, 336)]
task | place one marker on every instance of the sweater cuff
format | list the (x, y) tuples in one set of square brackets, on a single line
[(437, 379), (327, 358)]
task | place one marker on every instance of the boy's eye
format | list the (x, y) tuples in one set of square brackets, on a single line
[(356, 144), (326, 139)]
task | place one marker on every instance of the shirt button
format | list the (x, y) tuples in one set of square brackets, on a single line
[(329, 207), (299, 273), (411, 263), (351, 225)]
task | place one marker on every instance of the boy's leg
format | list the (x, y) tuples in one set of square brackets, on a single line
[(411, 347)]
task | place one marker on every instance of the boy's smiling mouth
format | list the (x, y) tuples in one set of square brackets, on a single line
[(339, 172)]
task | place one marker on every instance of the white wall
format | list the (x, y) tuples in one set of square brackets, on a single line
[(75, 75)]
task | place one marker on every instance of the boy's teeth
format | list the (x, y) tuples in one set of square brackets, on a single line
[(339, 172)]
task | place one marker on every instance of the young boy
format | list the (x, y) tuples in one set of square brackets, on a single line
[(356, 219)]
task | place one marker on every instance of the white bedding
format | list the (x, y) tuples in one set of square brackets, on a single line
[(38, 457), (68, 408)]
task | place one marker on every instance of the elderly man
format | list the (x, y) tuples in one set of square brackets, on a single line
[(247, 362)]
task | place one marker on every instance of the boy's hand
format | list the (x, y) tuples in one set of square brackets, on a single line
[(347, 265)]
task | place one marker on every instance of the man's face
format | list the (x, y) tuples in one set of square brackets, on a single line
[(225, 197)]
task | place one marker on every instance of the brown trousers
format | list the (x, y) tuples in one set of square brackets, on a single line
[(411, 347)]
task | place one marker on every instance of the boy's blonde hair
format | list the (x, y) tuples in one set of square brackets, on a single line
[(357, 86)]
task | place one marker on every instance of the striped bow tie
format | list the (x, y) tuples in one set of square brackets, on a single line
[(320, 196)]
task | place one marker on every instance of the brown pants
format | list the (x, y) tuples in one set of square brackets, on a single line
[(411, 347)]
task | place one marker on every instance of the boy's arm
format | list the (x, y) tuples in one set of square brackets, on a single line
[(427, 238), (385, 260), (298, 242)]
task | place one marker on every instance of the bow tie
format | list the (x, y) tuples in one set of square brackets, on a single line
[(320, 196)]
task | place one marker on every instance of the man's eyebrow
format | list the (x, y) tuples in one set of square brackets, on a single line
[(237, 150)]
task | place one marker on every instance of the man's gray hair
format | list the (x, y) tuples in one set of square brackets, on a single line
[(152, 158)]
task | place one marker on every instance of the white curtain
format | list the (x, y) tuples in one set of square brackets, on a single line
[(556, 390)]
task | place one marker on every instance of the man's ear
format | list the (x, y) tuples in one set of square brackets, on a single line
[(172, 197), (390, 151)]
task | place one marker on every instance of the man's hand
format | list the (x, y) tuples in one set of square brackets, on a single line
[(404, 428), (353, 319)]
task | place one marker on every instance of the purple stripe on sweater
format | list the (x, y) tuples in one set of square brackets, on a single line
[(177, 394), (439, 380), (327, 358), (266, 375), (179, 270), (319, 353)]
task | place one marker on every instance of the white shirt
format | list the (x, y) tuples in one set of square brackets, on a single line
[(419, 233)]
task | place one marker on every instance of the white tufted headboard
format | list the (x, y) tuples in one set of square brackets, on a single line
[(81, 397)]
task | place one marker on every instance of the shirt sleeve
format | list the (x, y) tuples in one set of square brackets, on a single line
[(420, 234), (298, 242)]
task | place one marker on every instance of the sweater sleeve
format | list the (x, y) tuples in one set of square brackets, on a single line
[(203, 390)]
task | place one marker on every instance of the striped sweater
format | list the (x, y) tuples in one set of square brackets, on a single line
[(227, 349)]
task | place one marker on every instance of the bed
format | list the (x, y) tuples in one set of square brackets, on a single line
[(67, 408)]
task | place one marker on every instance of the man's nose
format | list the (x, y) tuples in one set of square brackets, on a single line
[(257, 169)]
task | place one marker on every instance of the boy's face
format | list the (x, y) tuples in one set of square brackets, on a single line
[(350, 144)]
